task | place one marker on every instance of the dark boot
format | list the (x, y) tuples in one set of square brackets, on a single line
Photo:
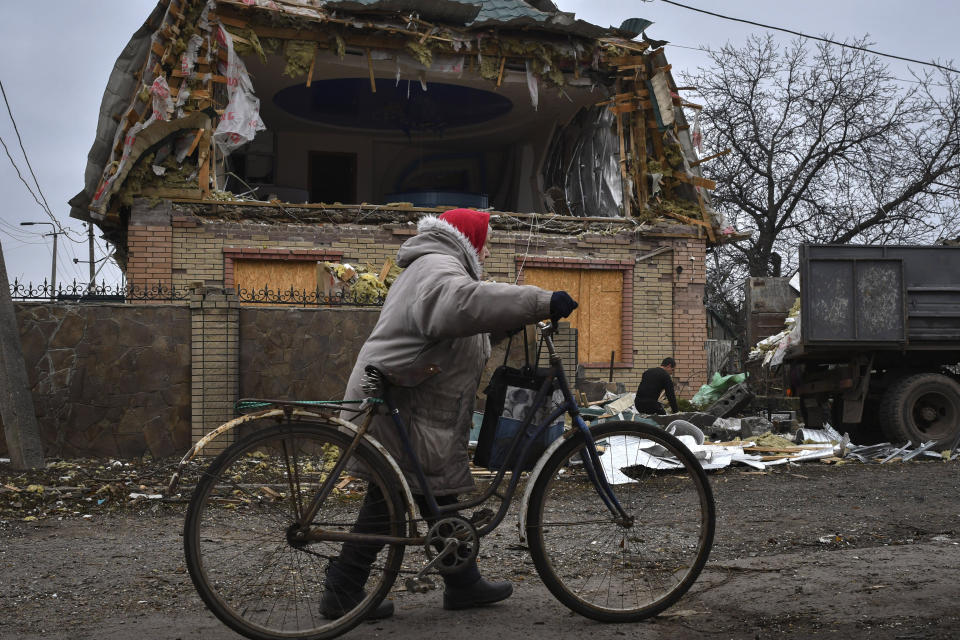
[(348, 572), (478, 594), (334, 605)]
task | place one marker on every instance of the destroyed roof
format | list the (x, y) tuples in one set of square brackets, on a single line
[(176, 78), (129, 73), (478, 13)]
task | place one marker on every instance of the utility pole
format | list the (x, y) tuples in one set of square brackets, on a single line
[(53, 272), (93, 274), (16, 402)]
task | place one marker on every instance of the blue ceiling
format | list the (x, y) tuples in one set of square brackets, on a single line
[(349, 102)]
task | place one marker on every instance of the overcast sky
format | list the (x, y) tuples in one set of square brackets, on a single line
[(54, 65)]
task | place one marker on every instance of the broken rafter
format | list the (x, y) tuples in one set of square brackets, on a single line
[(623, 159), (640, 149), (373, 79), (196, 141), (716, 155), (630, 107), (695, 180), (629, 45), (313, 62), (682, 218), (623, 61), (706, 216)]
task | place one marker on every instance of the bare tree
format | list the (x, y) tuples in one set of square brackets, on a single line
[(827, 146)]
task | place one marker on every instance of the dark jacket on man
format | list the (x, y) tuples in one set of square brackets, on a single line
[(652, 383)]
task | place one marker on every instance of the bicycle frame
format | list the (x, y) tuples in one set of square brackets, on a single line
[(556, 377)]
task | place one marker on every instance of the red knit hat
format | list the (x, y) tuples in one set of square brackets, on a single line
[(470, 223)]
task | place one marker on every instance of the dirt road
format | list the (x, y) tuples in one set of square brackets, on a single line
[(811, 551)]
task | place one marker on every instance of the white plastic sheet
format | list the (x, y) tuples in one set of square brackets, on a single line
[(241, 119), (533, 86), (162, 102)]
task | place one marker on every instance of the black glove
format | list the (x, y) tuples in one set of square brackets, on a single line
[(561, 305)]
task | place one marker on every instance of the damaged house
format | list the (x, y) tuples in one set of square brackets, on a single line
[(242, 143)]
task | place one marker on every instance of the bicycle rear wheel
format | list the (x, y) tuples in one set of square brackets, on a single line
[(250, 570), (621, 572)]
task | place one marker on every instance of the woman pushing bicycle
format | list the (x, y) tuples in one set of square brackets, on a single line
[(431, 338)]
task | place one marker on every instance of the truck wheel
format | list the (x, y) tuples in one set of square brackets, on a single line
[(921, 407)]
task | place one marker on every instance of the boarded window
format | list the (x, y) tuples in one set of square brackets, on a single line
[(254, 276), (598, 320)]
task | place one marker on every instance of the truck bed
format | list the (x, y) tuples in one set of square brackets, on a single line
[(888, 299)]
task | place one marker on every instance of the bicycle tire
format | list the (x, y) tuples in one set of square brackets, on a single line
[(607, 571), (240, 559)]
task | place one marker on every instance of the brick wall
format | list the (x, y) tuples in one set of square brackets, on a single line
[(215, 360), (689, 315), (150, 246), (665, 306)]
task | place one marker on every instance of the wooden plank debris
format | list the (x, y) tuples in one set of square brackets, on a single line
[(711, 157), (373, 81), (623, 158), (385, 270)]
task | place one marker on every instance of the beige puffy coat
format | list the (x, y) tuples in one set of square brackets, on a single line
[(438, 313)]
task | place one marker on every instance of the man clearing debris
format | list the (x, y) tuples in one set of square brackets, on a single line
[(653, 382)]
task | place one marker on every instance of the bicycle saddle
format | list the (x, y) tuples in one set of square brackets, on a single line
[(406, 377)]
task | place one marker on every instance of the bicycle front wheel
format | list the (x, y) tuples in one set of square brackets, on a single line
[(250, 569), (616, 571)]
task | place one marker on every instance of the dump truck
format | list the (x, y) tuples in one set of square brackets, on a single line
[(879, 342)]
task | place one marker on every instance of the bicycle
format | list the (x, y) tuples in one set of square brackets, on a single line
[(611, 537)]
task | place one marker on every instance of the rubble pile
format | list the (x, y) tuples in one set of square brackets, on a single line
[(720, 441), (344, 280), (772, 349)]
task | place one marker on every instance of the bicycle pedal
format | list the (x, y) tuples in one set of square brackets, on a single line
[(420, 585), (481, 517)]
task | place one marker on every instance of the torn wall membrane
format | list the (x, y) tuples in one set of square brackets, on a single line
[(617, 107), (582, 174)]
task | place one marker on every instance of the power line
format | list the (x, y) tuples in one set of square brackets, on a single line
[(804, 35), (25, 157), (20, 175), (19, 240), (44, 204), (708, 50)]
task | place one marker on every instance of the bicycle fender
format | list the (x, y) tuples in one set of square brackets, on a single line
[(532, 480), (351, 429), (342, 425)]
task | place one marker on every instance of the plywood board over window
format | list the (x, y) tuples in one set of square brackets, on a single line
[(276, 275), (599, 318), (250, 271)]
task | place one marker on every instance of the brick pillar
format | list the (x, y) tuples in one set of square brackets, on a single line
[(215, 361), (689, 316), (150, 246)]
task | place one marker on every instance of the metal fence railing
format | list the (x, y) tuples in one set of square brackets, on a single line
[(306, 297), (103, 292)]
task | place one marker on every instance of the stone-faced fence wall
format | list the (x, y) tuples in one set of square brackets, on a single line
[(128, 380), (108, 379)]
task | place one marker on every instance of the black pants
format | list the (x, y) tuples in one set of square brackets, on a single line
[(654, 408), (349, 571)]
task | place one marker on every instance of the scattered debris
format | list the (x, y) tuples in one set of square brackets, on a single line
[(748, 440), (82, 487), (711, 392)]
